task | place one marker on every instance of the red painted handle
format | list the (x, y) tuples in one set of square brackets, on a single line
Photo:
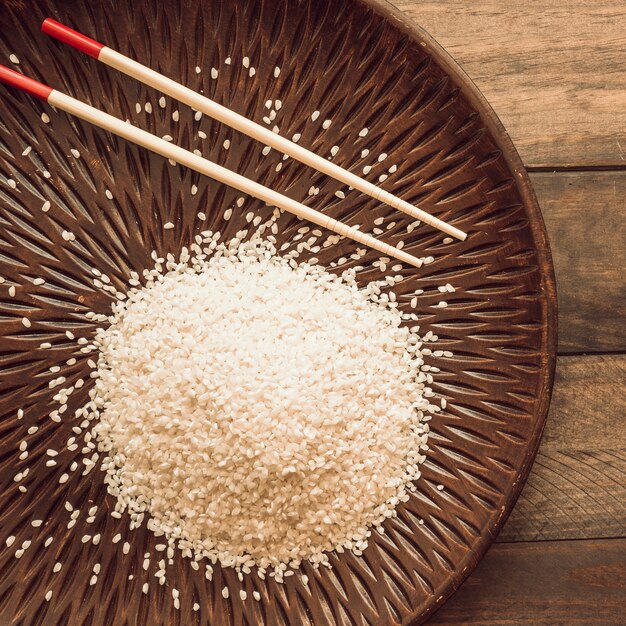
[(72, 37), (15, 79)]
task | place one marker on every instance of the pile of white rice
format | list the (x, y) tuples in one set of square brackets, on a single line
[(257, 411)]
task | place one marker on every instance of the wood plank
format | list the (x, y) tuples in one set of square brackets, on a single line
[(565, 583), (577, 486), (553, 71), (583, 212), (588, 404), (571, 495)]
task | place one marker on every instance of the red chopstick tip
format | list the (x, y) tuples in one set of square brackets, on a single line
[(29, 85), (72, 37)]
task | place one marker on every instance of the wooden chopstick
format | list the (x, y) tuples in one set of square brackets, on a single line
[(199, 164), (238, 122)]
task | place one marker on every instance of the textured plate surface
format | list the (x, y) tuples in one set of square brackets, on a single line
[(361, 66)]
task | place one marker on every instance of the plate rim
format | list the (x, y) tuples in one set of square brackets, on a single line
[(479, 102)]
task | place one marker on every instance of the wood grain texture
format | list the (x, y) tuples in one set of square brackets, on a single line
[(562, 583), (577, 487), (584, 214), (553, 71)]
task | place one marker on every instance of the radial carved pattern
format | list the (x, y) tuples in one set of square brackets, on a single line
[(360, 67)]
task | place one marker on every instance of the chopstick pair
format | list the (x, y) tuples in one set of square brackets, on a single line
[(205, 166)]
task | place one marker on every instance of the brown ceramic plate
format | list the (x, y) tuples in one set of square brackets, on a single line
[(361, 64)]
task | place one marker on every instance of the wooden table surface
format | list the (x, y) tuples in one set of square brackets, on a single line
[(555, 73)]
